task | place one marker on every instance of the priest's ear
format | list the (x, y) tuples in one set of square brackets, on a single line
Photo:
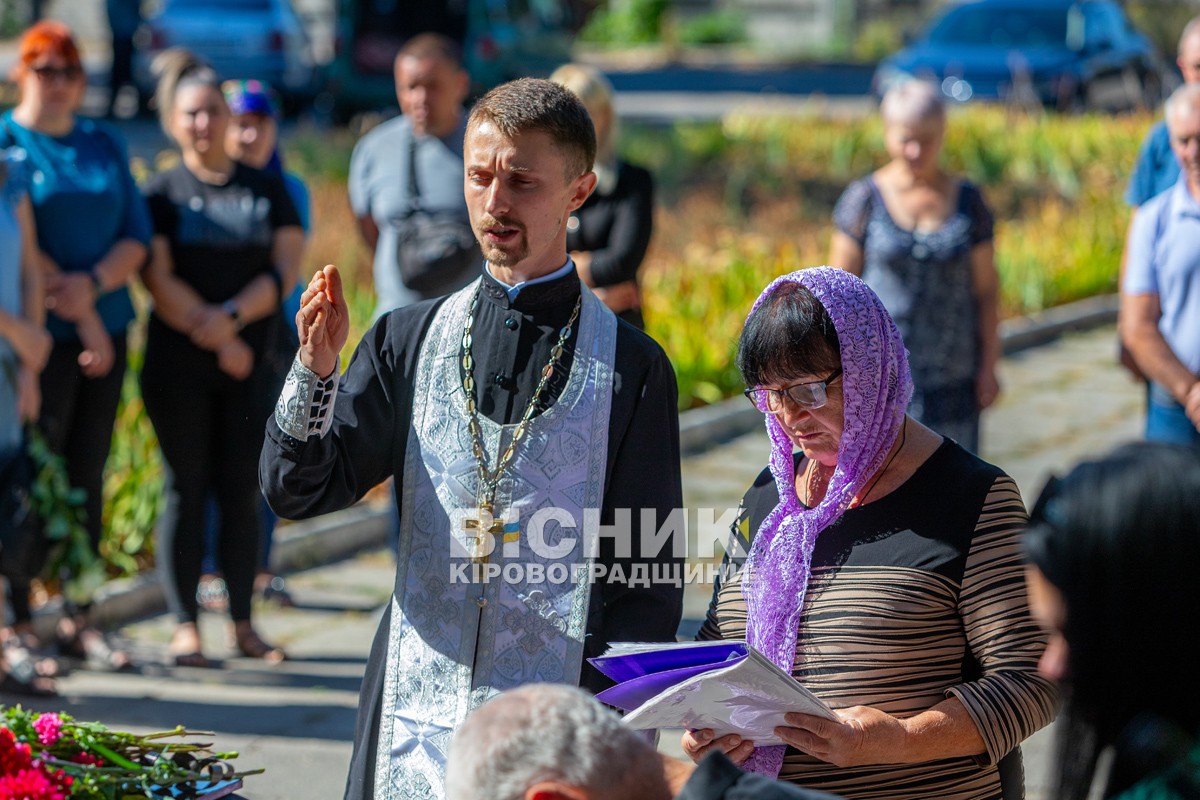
[(555, 790)]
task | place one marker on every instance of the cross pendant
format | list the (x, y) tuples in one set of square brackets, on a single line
[(478, 528)]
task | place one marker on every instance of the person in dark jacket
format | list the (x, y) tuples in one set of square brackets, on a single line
[(608, 235)]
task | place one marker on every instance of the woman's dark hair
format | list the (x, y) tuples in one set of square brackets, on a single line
[(790, 334), (1119, 537)]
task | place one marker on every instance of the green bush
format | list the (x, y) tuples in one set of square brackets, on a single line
[(720, 27), (625, 22)]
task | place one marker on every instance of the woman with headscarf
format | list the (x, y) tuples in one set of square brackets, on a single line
[(883, 570), (1113, 549)]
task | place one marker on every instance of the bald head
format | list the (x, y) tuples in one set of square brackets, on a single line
[(1189, 51), (542, 736), (1183, 103)]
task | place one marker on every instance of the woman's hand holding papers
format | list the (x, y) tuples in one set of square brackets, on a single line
[(864, 736), (697, 744)]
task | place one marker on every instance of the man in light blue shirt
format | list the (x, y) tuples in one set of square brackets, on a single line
[(427, 139), (1160, 292), (1156, 169)]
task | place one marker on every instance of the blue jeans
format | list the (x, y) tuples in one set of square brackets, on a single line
[(1166, 420)]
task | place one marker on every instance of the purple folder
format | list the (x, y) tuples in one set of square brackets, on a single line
[(641, 676)]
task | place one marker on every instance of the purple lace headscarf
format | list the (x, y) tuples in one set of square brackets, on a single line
[(876, 387)]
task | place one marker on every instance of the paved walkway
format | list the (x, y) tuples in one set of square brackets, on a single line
[(1062, 401)]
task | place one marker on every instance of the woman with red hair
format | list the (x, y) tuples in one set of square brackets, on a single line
[(93, 234)]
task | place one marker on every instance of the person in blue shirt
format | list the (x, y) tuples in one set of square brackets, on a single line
[(93, 232), (1160, 293), (24, 347), (1157, 169)]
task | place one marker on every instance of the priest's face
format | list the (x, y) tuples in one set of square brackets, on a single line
[(519, 195)]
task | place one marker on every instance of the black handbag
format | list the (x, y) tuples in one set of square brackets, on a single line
[(436, 252), (23, 544)]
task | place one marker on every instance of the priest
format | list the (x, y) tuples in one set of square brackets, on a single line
[(533, 439)]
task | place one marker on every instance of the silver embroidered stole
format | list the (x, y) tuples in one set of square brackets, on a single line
[(453, 643)]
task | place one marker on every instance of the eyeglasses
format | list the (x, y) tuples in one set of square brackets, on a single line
[(809, 395), (60, 73)]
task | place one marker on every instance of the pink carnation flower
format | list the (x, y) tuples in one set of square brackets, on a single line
[(49, 728)]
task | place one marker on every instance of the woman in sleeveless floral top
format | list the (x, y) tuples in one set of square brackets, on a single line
[(922, 239)]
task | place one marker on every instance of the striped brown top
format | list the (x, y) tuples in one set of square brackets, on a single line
[(915, 597)]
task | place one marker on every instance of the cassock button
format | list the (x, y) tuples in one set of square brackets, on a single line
[(499, 379), (510, 323)]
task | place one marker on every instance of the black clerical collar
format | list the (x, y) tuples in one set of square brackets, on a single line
[(534, 296)]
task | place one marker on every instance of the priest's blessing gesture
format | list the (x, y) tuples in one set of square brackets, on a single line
[(323, 321), (517, 399)]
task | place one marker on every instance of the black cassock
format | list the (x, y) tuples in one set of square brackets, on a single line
[(512, 343)]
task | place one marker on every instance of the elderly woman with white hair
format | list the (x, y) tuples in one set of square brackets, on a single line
[(922, 239)]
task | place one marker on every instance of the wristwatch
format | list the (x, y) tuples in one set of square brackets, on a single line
[(230, 308)]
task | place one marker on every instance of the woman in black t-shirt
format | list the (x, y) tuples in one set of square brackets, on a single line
[(226, 240)]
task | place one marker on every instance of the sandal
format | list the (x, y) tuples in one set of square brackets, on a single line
[(185, 648), (194, 659), (91, 645), (20, 654), (251, 645)]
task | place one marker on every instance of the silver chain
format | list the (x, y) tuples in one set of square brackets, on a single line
[(490, 479)]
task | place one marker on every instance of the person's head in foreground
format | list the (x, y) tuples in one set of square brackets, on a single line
[(528, 156), (550, 742), (1113, 549)]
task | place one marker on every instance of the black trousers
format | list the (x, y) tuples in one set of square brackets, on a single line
[(77, 418), (210, 428)]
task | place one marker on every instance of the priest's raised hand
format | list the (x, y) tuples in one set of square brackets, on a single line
[(323, 321)]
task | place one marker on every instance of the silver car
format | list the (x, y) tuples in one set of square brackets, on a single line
[(263, 39)]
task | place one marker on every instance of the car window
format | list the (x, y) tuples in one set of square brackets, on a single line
[(1100, 24), (1001, 27)]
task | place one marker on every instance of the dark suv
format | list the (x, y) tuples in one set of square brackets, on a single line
[(1064, 54), (501, 40)]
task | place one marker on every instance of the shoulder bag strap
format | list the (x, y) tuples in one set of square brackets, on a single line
[(414, 191)]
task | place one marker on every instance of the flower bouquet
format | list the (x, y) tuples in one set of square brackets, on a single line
[(47, 756)]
